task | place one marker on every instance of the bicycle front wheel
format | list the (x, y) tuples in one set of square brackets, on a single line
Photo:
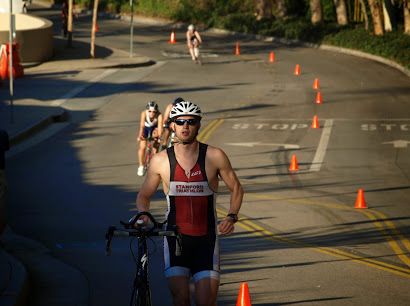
[(141, 295), (148, 155)]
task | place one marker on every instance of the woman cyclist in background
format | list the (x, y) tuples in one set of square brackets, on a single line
[(193, 39), (149, 124)]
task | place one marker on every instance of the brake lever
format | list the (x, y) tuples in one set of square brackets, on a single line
[(178, 240)]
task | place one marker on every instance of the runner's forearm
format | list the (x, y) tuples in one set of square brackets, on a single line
[(236, 199)]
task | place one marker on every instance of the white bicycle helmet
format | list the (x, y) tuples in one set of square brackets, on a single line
[(152, 105), (185, 108), (191, 27)]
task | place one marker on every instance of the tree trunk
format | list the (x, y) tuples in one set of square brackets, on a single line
[(389, 16), (93, 27), (264, 9), (406, 13), (70, 24), (341, 12), (282, 11), (316, 11), (377, 20), (366, 20)]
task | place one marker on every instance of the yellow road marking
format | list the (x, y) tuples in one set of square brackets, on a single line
[(368, 212), (204, 135), (264, 233), (203, 131), (402, 238)]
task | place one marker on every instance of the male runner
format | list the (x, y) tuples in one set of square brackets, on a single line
[(190, 173)]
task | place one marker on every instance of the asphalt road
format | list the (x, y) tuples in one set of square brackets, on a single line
[(301, 240)]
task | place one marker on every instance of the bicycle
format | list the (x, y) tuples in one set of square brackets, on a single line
[(196, 52), (141, 291), (149, 151), (26, 3), (171, 139)]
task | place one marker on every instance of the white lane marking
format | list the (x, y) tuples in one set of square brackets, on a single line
[(252, 144), (186, 54), (321, 149), (385, 127), (76, 91), (398, 143)]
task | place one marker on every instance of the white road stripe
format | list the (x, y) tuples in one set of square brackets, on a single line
[(321, 148), (76, 91)]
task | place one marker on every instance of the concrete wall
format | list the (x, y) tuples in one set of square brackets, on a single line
[(17, 6), (34, 35)]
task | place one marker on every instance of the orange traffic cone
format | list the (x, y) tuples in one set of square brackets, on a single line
[(3, 63), (96, 27), (237, 51), (297, 70), (316, 84), (172, 39), (315, 123), (243, 297), (272, 57), (360, 200), (319, 98), (294, 163)]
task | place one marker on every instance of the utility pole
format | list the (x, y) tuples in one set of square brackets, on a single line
[(12, 29), (93, 28), (70, 24), (132, 27)]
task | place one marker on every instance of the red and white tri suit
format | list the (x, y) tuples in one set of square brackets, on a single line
[(192, 206)]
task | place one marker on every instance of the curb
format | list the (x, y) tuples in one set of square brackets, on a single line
[(291, 42), (16, 293), (61, 116), (38, 259)]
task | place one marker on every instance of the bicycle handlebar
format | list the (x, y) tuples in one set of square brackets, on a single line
[(141, 231)]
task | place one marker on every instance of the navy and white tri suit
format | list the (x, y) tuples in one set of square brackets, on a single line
[(150, 125)]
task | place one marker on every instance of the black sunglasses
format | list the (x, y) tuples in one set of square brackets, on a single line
[(189, 121)]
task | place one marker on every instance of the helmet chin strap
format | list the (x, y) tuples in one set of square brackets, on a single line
[(188, 142)]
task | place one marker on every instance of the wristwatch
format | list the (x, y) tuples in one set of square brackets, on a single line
[(233, 216)]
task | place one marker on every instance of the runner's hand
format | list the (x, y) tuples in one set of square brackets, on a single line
[(144, 218), (226, 227)]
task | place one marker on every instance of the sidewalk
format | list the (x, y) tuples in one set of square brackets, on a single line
[(38, 102), (44, 83)]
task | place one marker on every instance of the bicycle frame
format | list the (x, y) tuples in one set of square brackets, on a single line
[(141, 291), (196, 51), (171, 139), (148, 151)]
